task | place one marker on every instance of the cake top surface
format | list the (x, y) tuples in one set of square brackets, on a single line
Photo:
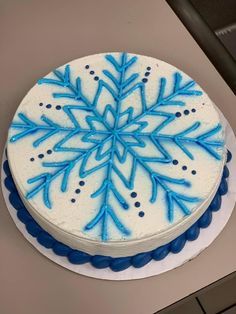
[(116, 147)]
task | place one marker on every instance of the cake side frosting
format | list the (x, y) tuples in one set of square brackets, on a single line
[(116, 148)]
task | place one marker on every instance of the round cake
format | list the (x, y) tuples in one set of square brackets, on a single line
[(116, 154)]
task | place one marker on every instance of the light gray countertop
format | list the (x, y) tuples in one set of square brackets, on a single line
[(37, 36)]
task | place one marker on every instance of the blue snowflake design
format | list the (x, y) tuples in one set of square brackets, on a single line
[(112, 140)]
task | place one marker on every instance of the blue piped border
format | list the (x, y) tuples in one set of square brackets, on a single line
[(115, 263)]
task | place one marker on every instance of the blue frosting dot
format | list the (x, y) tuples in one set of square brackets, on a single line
[(144, 80), (78, 257), (40, 156), (9, 184), (161, 252), (61, 249), (175, 162), (72, 200), (141, 214), (147, 73), (46, 240), (58, 107), (137, 204), (100, 261), (229, 156), (23, 215), (96, 78), (15, 200), (216, 203), (177, 244), (223, 188), (91, 72), (186, 112), (77, 191), (133, 194), (49, 151), (205, 220), (32, 159), (194, 172), (141, 259), (225, 172), (33, 228), (81, 183), (6, 168), (184, 167), (49, 106), (178, 114), (193, 232), (120, 263)]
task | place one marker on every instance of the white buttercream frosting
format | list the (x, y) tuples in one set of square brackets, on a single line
[(149, 225)]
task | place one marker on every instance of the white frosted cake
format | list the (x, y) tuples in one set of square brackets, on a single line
[(116, 154)]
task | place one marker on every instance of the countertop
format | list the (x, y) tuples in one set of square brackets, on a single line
[(37, 36)]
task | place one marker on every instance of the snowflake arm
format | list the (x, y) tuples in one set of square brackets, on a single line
[(184, 90), (49, 128), (108, 186), (158, 179), (77, 94), (45, 179), (123, 85), (182, 139), (106, 211), (170, 100)]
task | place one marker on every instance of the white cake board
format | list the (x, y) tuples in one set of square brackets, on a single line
[(190, 250)]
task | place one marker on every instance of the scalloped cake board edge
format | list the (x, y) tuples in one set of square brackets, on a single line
[(153, 268)]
